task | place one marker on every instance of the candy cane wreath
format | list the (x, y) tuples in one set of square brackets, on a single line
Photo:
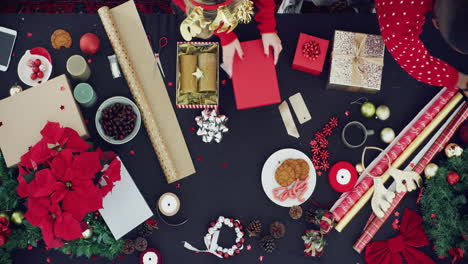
[(211, 238)]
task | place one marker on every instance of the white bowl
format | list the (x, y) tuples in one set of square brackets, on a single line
[(24, 71), (112, 101), (268, 175)]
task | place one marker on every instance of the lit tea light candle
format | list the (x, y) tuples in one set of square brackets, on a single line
[(85, 95), (78, 68)]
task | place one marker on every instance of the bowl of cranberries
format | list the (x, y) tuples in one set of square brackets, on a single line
[(118, 120)]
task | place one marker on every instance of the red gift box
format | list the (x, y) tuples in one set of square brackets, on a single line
[(310, 54), (254, 77)]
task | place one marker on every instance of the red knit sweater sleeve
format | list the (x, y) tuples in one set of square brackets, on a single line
[(401, 24), (265, 16)]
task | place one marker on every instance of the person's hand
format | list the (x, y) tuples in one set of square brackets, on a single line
[(463, 82), (272, 40), (229, 51)]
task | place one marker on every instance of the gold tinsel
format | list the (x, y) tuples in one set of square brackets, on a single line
[(244, 12)]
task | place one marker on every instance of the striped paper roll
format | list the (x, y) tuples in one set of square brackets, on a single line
[(380, 164), (375, 223)]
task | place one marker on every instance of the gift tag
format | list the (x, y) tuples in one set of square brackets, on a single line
[(300, 108), (288, 119)]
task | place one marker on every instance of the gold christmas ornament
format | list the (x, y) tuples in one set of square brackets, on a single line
[(453, 150), (17, 217), (387, 135), (382, 112), (359, 168), (88, 233), (430, 170), (244, 12)]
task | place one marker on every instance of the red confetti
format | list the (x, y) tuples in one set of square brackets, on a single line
[(397, 214), (132, 152), (224, 164), (49, 260), (121, 257), (29, 34), (319, 173), (46, 248), (169, 83), (62, 107), (62, 88), (199, 158), (93, 257), (260, 258), (90, 61), (412, 164), (347, 113), (249, 247), (433, 216), (86, 121), (177, 185), (29, 247), (223, 82), (192, 129), (96, 213)]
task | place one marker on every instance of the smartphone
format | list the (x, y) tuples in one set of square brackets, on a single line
[(7, 41)]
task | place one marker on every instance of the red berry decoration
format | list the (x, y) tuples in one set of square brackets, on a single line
[(35, 69), (118, 121), (311, 50), (38, 62), (453, 178), (33, 76), (40, 75)]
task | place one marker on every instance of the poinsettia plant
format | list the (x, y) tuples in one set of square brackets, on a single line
[(64, 179)]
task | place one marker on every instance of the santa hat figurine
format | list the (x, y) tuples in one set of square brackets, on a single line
[(150, 256)]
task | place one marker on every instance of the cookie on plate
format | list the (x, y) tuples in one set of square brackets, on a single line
[(285, 174), (301, 169)]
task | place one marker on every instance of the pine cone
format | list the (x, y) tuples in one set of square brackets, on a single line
[(254, 228), (268, 244), (277, 229), (141, 244), (295, 212), (309, 215), (147, 230), (128, 246)]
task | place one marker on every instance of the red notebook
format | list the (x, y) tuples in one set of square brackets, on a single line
[(254, 78)]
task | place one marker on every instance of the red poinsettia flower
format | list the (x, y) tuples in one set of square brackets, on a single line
[(54, 223), (111, 175), (3, 240), (42, 185), (4, 226)]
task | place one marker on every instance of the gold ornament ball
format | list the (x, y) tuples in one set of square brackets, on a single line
[(88, 233), (368, 109), (453, 150), (431, 170), (359, 168), (3, 214), (382, 112), (17, 217), (387, 135)]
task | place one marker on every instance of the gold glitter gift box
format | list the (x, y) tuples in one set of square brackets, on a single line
[(357, 62)]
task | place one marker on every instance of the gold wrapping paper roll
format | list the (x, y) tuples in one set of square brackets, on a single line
[(139, 95), (401, 159), (188, 81), (207, 64)]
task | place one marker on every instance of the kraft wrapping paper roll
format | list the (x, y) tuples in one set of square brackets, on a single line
[(188, 81), (207, 63), (166, 137), (401, 159)]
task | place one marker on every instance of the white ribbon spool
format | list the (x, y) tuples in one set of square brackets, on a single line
[(169, 204)]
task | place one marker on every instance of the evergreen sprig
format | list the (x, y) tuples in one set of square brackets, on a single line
[(444, 206)]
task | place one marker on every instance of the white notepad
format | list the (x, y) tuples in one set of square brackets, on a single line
[(124, 199)]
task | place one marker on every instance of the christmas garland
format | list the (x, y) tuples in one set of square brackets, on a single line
[(444, 207)]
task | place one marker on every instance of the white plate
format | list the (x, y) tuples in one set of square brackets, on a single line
[(268, 175), (24, 71), (111, 101)]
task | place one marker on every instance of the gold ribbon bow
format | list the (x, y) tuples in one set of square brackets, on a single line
[(358, 57)]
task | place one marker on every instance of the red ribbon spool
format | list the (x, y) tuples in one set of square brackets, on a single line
[(343, 176)]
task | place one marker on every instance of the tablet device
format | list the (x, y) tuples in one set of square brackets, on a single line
[(7, 41)]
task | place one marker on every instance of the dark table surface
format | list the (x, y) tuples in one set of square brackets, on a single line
[(235, 190)]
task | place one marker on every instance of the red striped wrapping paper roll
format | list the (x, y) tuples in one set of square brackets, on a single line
[(375, 223), (380, 165)]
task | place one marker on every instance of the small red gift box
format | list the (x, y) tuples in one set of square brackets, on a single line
[(310, 54)]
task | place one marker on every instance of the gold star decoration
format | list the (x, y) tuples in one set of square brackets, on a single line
[(198, 74)]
